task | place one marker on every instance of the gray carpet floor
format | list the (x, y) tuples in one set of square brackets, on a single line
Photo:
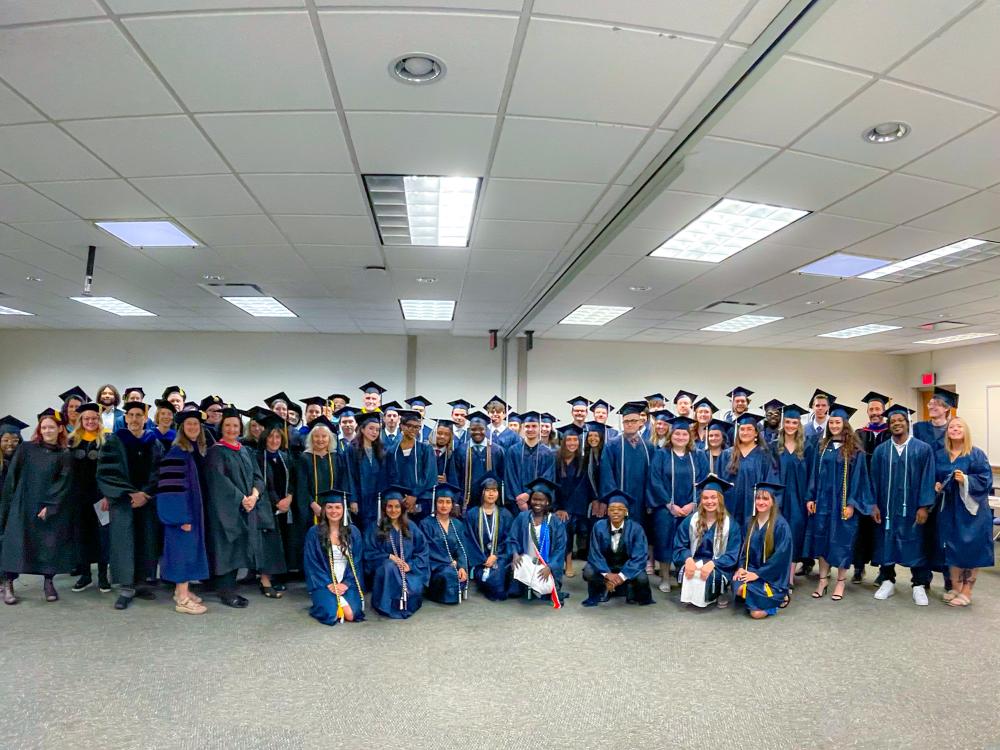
[(858, 673)]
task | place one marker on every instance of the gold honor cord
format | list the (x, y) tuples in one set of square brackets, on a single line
[(329, 460)]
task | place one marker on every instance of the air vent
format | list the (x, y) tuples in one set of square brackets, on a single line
[(943, 325), (730, 306), (223, 289)]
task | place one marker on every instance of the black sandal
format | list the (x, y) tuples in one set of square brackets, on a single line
[(838, 597), (820, 594), (787, 601), (269, 592)]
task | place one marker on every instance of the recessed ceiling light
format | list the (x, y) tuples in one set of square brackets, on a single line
[(426, 279), (865, 330), (116, 306), (427, 309), (261, 307), (213, 277), (29, 277), (725, 229), (593, 315), (416, 68), (886, 132), (12, 311), (426, 211), (956, 337), (742, 323), (815, 301), (945, 258), (843, 265), (148, 233), (640, 288)]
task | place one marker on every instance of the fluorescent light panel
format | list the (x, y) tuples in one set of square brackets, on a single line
[(593, 315), (12, 311), (423, 211), (116, 306), (261, 307), (866, 330), (148, 233), (428, 309), (726, 228), (945, 258), (742, 323), (843, 265), (956, 337)]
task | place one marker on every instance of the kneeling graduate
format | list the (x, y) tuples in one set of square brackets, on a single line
[(332, 562), (447, 549), (396, 558), (616, 561), (489, 527), (762, 579), (706, 547), (537, 546)]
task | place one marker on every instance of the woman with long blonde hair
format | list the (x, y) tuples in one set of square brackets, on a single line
[(90, 507), (965, 519), (796, 457), (765, 557)]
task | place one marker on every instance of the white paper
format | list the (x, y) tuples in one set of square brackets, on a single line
[(103, 516), (529, 573), (693, 589)]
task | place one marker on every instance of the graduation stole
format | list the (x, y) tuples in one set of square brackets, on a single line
[(843, 498), (746, 558), (493, 528), (546, 534), (463, 586), (333, 577), (888, 492), (329, 460), (402, 574)]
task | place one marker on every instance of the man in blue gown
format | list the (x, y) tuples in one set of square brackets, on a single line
[(627, 458), (527, 461), (616, 561), (476, 459)]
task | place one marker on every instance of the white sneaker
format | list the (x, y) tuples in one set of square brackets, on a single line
[(920, 596), (887, 589), (665, 585)]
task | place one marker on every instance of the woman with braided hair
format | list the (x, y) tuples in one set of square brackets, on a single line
[(333, 562)]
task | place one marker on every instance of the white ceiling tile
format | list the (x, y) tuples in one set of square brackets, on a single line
[(972, 159), (88, 70), (277, 261), (21, 203), (934, 119), (448, 144), (969, 49), (339, 256), (6, 179), (501, 261), (521, 235), (308, 193), (711, 75), (658, 66), (125, 145), (790, 97), (426, 259), (362, 45), (230, 61), (760, 15), (828, 232), (563, 150), (975, 214), (902, 242), (43, 152), (898, 198), (804, 181), (100, 199), (151, 6), (674, 15), (646, 153), (663, 274), (318, 230), (873, 34), (671, 210), (539, 200), (201, 195), (511, 5), (32, 11), (606, 203), (487, 287), (13, 109), (280, 141), (234, 230), (715, 165), (70, 233), (636, 241), (447, 286), (785, 287)]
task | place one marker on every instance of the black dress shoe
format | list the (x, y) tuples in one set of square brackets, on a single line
[(859, 575), (233, 600), (83, 583), (122, 602), (103, 584), (145, 594)]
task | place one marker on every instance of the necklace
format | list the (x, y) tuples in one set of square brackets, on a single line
[(405, 597)]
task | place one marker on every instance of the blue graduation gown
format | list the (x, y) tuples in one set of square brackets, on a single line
[(771, 586), (523, 464), (902, 484), (926, 432), (828, 535), (471, 468), (552, 539), (389, 442), (713, 464), (626, 468), (506, 439), (447, 464), (178, 502), (672, 480), (757, 466), (443, 549), (367, 480), (574, 493), (964, 540), (794, 472), (316, 565), (387, 581), (634, 539), (312, 476), (418, 471), (426, 434), (727, 560), (481, 536)]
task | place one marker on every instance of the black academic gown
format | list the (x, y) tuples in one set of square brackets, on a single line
[(232, 474), (85, 493), (266, 541)]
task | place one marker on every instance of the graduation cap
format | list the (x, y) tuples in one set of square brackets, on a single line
[(447, 489), (748, 418), (372, 387), (490, 481), (497, 400), (182, 416), (419, 401), (740, 391), (343, 396), (210, 401), (543, 485), (703, 401), (11, 425), (632, 407), (595, 426), (346, 411), (173, 389), (899, 409), (714, 482), (134, 389), (601, 404), (478, 417), (395, 492), (579, 401), (322, 420), (369, 416), (794, 411), (774, 403), (90, 406), (681, 423), (721, 425), (314, 401), (874, 396), (53, 414), (682, 394), (229, 411), (292, 406), (450, 424), (948, 398), (654, 397), (515, 417), (188, 405), (267, 419), (531, 416), (279, 396), (391, 406), (820, 393), (74, 392), (130, 405), (839, 410), (771, 487), (662, 415), (548, 418), (408, 415), (570, 429), (162, 403), (460, 403), (335, 497), (618, 496)]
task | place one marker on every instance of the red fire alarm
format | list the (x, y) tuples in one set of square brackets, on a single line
[(927, 378)]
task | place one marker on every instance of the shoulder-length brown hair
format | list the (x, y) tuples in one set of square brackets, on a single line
[(61, 439), (851, 445), (182, 442)]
